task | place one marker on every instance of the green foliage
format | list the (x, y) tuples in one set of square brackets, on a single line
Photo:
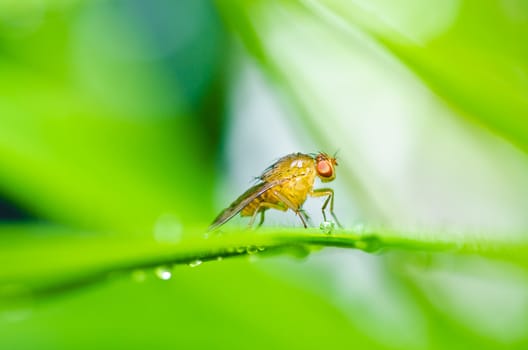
[(113, 118)]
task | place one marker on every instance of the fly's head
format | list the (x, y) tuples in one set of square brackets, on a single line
[(325, 167)]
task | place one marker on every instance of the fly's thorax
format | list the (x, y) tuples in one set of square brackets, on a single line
[(290, 166), (295, 175), (299, 170), (297, 190)]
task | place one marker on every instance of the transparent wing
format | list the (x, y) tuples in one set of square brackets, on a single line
[(242, 201)]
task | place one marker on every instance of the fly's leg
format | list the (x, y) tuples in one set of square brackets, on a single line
[(261, 208), (300, 213), (305, 214), (302, 218), (261, 218), (321, 192)]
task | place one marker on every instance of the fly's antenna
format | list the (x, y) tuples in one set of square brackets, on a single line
[(336, 153)]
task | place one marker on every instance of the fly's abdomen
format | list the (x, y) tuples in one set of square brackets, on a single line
[(249, 209), (266, 197)]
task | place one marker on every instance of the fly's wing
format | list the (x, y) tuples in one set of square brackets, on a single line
[(242, 201)]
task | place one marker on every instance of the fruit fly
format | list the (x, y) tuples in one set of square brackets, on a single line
[(285, 185)]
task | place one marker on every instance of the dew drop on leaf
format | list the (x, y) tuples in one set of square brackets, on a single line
[(252, 250), (369, 244), (195, 263), (327, 227), (297, 251), (163, 272)]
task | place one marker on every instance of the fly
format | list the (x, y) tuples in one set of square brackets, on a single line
[(285, 185)]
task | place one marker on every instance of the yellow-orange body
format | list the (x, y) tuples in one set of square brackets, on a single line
[(285, 185), (297, 171)]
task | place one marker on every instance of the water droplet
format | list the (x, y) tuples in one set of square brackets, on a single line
[(240, 249), (139, 275), (252, 249), (261, 248), (297, 251), (369, 244), (195, 263), (219, 258), (163, 272), (327, 227)]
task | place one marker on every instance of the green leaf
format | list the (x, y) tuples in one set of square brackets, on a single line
[(97, 256)]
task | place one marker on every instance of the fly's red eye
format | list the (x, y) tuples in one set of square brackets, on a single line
[(324, 168)]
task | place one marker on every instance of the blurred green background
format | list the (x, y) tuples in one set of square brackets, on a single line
[(129, 124)]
